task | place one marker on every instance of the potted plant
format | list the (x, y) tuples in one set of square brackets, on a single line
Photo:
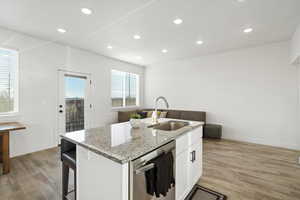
[(135, 120)]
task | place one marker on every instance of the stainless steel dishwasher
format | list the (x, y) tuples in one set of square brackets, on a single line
[(138, 167)]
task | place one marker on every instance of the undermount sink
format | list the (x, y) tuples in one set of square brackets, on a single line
[(171, 125)]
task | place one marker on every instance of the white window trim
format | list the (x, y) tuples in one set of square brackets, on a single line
[(124, 107), (9, 114), (16, 111)]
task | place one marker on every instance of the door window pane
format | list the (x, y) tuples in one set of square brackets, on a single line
[(74, 101)]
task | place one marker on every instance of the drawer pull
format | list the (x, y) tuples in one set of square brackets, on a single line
[(193, 155)]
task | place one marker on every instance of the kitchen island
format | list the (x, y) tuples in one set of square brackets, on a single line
[(104, 157)]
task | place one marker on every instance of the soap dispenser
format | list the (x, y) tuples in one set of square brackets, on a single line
[(154, 117)]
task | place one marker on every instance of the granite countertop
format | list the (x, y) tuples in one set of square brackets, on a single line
[(121, 143)]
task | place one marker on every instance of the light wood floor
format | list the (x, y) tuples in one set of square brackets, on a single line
[(239, 170), (249, 171), (35, 176)]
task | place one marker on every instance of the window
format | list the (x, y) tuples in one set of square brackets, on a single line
[(8, 81), (124, 89)]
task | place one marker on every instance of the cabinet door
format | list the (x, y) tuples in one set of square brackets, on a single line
[(195, 163), (99, 177), (182, 182), (195, 136)]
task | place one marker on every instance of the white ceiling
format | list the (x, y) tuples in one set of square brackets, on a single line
[(219, 23)]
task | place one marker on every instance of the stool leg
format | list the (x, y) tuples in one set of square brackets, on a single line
[(1, 156), (65, 181), (75, 185)]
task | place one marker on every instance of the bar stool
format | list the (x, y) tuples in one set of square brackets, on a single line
[(68, 158)]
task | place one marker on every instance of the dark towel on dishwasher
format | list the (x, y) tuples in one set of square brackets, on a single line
[(161, 178)]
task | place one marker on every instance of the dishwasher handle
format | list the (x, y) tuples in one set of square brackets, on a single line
[(144, 168)]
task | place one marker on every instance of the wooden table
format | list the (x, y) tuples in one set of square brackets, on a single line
[(5, 129)]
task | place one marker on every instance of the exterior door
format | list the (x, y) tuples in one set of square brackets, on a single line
[(73, 104)]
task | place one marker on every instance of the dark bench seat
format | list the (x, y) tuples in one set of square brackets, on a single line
[(124, 116)]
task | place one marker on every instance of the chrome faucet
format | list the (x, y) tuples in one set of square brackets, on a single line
[(154, 114)]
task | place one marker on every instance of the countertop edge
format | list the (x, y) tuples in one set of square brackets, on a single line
[(100, 152), (127, 160)]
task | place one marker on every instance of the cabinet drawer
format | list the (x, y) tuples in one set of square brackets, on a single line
[(182, 143), (188, 139), (195, 136)]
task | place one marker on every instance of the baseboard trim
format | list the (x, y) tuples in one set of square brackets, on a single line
[(45, 149), (252, 143)]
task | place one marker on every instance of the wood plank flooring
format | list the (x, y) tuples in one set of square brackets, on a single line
[(250, 171), (239, 170), (35, 176)]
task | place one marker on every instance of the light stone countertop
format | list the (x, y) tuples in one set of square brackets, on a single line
[(122, 143)]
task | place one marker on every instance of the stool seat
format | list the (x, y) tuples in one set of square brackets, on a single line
[(69, 158)]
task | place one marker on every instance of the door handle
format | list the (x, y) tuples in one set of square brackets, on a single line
[(60, 111)]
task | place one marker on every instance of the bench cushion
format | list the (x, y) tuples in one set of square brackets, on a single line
[(124, 116)]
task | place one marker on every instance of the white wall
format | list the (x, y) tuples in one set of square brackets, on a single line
[(38, 75), (295, 46), (252, 92), (295, 59), (298, 67)]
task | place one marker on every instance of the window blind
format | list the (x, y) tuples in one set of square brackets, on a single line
[(7, 73)]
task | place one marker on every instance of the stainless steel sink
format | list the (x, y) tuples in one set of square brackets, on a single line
[(171, 125)]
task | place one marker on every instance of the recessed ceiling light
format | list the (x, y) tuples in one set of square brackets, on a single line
[(241, 1), (86, 11), (164, 51), (61, 30), (109, 47), (199, 42), (248, 30), (139, 57), (178, 21), (137, 37)]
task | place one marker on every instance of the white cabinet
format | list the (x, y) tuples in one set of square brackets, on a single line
[(195, 163), (99, 177), (188, 162), (182, 179)]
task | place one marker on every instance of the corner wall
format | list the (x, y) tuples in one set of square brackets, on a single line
[(295, 46), (38, 91), (298, 67), (252, 92)]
